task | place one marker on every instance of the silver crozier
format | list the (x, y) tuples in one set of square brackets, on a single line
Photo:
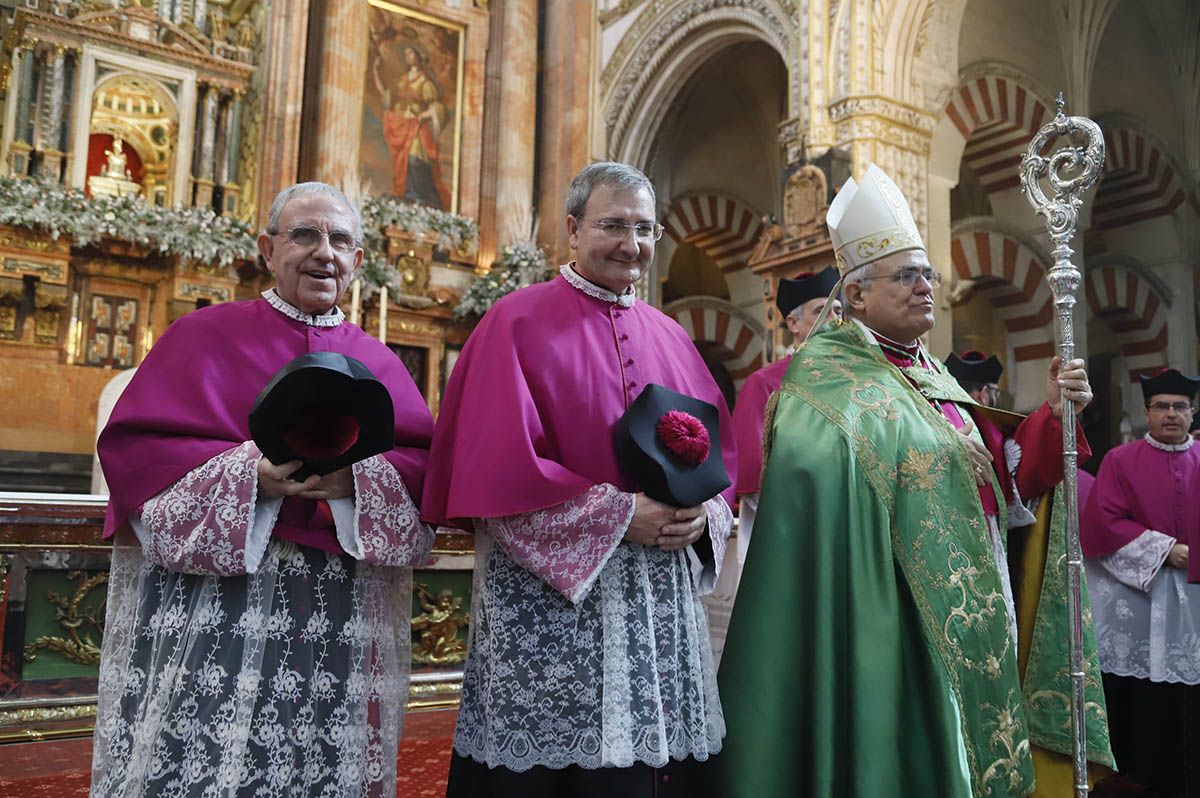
[(1069, 172)]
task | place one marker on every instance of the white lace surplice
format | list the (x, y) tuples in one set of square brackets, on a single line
[(587, 650), (1147, 615), (236, 664)]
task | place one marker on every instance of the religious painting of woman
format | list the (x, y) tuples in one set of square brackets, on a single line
[(411, 113)]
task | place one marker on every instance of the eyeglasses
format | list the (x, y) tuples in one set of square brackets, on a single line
[(307, 237), (617, 230), (907, 276), (1163, 407)]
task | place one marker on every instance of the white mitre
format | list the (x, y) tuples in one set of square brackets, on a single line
[(869, 220)]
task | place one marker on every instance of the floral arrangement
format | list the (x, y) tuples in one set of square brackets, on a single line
[(520, 264), (198, 235), (195, 235), (454, 232)]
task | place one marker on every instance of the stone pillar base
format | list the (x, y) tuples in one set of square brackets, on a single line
[(51, 165), (202, 193)]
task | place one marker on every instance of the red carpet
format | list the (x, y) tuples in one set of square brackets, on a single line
[(62, 768)]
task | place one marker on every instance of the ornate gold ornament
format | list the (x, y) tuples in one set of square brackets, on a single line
[(71, 616), (438, 626)]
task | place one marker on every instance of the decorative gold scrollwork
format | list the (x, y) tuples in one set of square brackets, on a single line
[(71, 615)]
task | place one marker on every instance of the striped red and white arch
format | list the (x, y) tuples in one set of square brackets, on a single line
[(1133, 309), (1138, 182), (1013, 278), (722, 227), (997, 117), (708, 320)]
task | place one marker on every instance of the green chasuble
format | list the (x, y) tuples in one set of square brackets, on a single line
[(869, 652)]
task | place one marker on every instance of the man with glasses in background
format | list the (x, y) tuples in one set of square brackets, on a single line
[(1139, 525), (590, 668), (879, 541), (257, 626)]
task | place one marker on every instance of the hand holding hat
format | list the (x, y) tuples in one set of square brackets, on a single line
[(318, 415)]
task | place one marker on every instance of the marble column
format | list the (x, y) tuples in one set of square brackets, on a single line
[(206, 146), (564, 139), (231, 139), (53, 98), (24, 96), (517, 120), (283, 93), (200, 14), (343, 65)]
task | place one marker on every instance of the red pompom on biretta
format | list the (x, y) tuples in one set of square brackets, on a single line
[(684, 436)]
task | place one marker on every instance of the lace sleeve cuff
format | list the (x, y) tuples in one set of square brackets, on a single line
[(720, 525), (210, 521), (381, 524), (1137, 563), (566, 545)]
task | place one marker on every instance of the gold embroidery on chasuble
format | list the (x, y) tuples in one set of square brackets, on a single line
[(916, 465)]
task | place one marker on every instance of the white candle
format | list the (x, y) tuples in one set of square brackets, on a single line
[(355, 300), (383, 300)]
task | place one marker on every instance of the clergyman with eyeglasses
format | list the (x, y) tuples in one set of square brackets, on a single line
[(873, 644), (1140, 522), (257, 625), (590, 669)]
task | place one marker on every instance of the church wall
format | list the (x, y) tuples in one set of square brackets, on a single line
[(1129, 80), (1018, 32)]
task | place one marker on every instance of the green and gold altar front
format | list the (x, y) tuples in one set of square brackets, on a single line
[(53, 583)]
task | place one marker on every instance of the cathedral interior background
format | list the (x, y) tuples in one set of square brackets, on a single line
[(142, 142)]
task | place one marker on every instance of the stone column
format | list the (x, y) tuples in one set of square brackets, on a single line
[(24, 96), (232, 137), (565, 135), (220, 156), (343, 63), (52, 113), (227, 163), (200, 14), (206, 147), (283, 92), (937, 242), (517, 120)]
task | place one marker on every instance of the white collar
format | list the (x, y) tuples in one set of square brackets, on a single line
[(1169, 447), (569, 274), (331, 319)]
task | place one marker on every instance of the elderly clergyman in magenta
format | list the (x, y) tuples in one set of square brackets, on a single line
[(590, 665), (256, 639)]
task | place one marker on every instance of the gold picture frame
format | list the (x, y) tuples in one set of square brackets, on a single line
[(413, 100)]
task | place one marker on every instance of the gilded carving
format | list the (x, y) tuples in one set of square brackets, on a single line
[(71, 616), (185, 289), (50, 272), (13, 717), (28, 240), (438, 628)]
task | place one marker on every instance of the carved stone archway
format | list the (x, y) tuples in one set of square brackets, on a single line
[(660, 52)]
